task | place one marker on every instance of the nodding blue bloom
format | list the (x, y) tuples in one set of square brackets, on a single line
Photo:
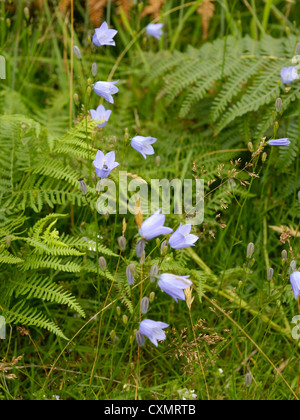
[(106, 90), (154, 226), (295, 282), (104, 36), (288, 74), (100, 116), (153, 330), (174, 285), (104, 164), (279, 142), (143, 145), (182, 237), (155, 30)]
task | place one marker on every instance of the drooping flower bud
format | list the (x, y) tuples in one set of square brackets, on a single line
[(83, 187), (154, 270), (278, 104), (118, 310), (140, 248), (284, 255), (125, 319), (122, 243), (102, 263), (152, 297), (293, 265), (89, 91), (76, 98), (248, 380), (8, 241), (270, 274), (164, 248), (26, 13), (250, 250), (77, 52), (145, 305), (264, 157), (94, 69), (140, 338), (250, 146), (130, 273)]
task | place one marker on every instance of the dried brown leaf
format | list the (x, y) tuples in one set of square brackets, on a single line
[(96, 11), (153, 8), (206, 10)]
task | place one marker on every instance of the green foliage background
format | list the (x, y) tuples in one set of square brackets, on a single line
[(204, 101)]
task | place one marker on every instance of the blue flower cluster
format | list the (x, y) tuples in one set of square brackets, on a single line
[(154, 226)]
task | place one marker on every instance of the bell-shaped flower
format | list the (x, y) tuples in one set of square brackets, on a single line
[(106, 90), (295, 282), (288, 74), (104, 164), (155, 30), (154, 226), (104, 36), (153, 330), (279, 142), (100, 116), (143, 145), (174, 285), (182, 237)]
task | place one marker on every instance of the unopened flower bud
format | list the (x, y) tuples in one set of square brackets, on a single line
[(248, 380), (154, 270), (293, 266), (8, 22), (77, 52), (264, 157), (158, 160), (164, 248), (122, 243), (76, 98), (140, 338), (94, 69), (284, 255), (89, 91), (145, 305), (8, 241), (126, 135), (250, 146), (26, 13), (125, 319), (112, 334), (140, 248), (83, 187), (250, 250), (130, 273), (118, 310), (152, 297), (102, 263), (270, 274), (278, 104)]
